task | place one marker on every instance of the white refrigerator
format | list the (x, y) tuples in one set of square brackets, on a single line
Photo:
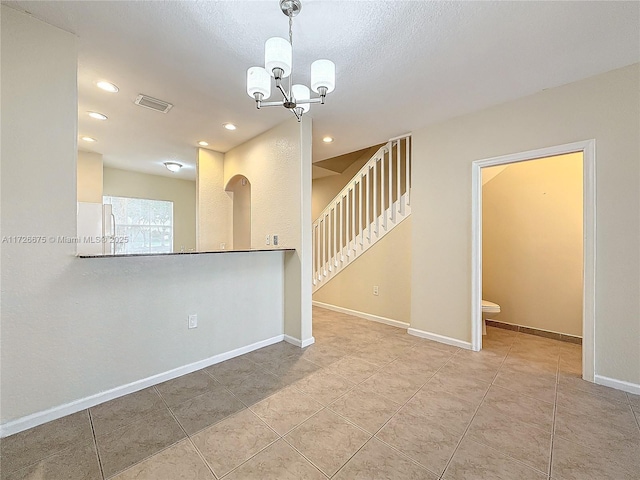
[(96, 229)]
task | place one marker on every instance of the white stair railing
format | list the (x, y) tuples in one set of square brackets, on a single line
[(374, 201)]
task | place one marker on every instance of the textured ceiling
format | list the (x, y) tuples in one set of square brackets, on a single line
[(400, 65)]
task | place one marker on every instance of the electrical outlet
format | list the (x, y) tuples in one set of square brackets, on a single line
[(267, 241), (375, 290), (193, 321), (275, 239), (223, 246)]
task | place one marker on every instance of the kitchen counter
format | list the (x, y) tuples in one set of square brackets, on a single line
[(188, 253)]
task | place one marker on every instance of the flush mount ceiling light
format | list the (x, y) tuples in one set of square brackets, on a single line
[(173, 166), (109, 87), (278, 54), (229, 126), (327, 139), (202, 143), (97, 116), (88, 139)]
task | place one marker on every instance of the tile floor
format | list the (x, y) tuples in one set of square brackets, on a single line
[(367, 401)]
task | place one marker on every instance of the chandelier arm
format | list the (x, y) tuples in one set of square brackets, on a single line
[(272, 104), (284, 94), (310, 100), (296, 114)]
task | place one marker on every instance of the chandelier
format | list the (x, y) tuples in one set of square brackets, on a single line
[(278, 54)]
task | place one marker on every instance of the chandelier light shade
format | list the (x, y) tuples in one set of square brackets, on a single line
[(278, 63), (258, 81), (301, 93), (323, 75), (277, 55)]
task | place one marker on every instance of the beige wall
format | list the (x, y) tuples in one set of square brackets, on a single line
[(214, 204), (72, 327), (89, 180), (605, 108), (124, 183), (277, 163), (240, 189), (532, 243), (386, 264)]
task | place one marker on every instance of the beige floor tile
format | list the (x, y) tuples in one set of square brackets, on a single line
[(427, 357), (327, 440), (426, 442), (353, 369), (376, 353), (323, 355), (324, 386), (233, 441), (377, 461), (530, 364), (423, 342), (465, 387), (577, 383), (256, 386), (393, 386), (447, 410), (186, 387), (408, 368), (277, 462), (178, 462), (137, 441), (367, 410), (580, 401), (481, 368), (30, 446), (540, 385), (572, 461), (274, 353), (634, 400), (292, 369), (519, 440), (474, 461), (205, 410), (526, 409), (607, 430), (123, 411), (572, 367), (286, 409), (229, 371), (79, 462)]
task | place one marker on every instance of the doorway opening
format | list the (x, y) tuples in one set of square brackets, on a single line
[(240, 189), (529, 235)]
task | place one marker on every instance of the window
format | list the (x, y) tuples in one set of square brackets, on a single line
[(147, 225)]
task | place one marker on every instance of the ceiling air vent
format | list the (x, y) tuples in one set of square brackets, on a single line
[(153, 103)]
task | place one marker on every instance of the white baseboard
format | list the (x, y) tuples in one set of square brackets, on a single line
[(366, 316), (439, 338), (35, 419), (299, 343), (617, 384)]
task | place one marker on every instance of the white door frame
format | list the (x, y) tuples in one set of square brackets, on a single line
[(588, 148)]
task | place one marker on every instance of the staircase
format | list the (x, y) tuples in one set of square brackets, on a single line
[(374, 201)]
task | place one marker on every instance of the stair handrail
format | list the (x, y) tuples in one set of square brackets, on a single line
[(381, 151)]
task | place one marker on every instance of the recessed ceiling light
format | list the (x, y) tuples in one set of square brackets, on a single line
[(109, 87), (173, 166), (202, 143), (229, 126), (97, 116), (88, 139), (327, 139)]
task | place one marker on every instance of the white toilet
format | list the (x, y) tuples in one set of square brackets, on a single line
[(488, 309)]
